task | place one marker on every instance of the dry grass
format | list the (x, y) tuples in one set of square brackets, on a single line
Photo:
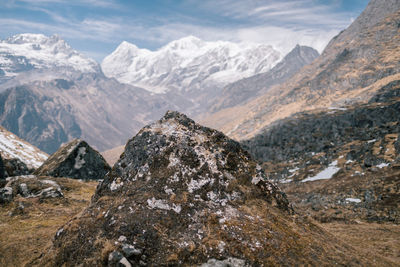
[(372, 239), (26, 235)]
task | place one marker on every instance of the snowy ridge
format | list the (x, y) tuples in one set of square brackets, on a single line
[(188, 64), (24, 52), (13, 147)]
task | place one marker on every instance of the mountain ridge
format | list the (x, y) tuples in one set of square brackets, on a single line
[(25, 52), (242, 91), (350, 70), (199, 62)]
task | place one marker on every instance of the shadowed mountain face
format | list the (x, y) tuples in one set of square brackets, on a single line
[(355, 64), (242, 91), (184, 194), (102, 111), (338, 164)]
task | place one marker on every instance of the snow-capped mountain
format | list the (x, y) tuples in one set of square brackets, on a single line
[(11, 146), (26, 52), (51, 94), (188, 64)]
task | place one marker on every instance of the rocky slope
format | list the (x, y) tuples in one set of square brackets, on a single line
[(338, 163), (75, 160), (183, 194), (354, 65), (13, 147), (244, 90)]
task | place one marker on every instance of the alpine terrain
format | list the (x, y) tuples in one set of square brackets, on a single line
[(353, 66), (298, 163), (184, 194)]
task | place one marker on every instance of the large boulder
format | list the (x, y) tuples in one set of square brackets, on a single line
[(183, 194), (75, 160)]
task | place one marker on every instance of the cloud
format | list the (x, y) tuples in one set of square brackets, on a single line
[(280, 23)]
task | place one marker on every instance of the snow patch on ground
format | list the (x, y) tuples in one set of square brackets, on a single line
[(355, 200), (327, 173), (382, 165)]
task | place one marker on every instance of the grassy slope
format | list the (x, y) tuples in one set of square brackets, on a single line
[(24, 236)]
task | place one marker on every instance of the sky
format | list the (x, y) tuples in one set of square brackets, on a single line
[(97, 27)]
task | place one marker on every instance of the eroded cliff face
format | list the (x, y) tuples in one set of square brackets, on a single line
[(184, 194)]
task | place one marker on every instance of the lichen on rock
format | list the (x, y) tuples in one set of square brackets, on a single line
[(184, 194)]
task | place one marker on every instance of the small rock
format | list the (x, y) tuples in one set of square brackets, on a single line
[(125, 262), (130, 250), (50, 192), (122, 238), (6, 194), (23, 190), (114, 258), (19, 210)]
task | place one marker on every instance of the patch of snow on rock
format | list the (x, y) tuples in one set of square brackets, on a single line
[(79, 160)]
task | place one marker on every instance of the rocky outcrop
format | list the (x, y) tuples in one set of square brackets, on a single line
[(30, 186), (183, 194), (360, 130), (75, 160), (15, 167), (351, 155)]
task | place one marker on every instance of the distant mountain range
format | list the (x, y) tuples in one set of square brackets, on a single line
[(51, 94), (188, 64)]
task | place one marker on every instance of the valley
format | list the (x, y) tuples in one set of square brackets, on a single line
[(203, 153)]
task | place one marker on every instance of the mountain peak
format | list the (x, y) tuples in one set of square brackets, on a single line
[(185, 43), (28, 51), (188, 64)]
